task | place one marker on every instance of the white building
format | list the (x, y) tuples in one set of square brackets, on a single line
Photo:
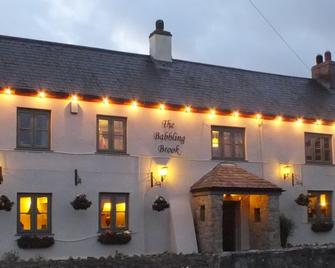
[(77, 120)]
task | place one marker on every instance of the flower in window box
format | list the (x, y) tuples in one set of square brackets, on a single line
[(160, 204), (114, 238), (29, 241), (5, 203), (302, 200), (81, 202), (322, 225)]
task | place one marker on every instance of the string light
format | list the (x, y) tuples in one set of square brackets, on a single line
[(8, 91), (74, 98), (258, 116), (41, 94), (318, 122), (134, 104), (279, 118), (236, 114), (212, 112), (162, 106), (105, 101), (188, 109), (299, 121)]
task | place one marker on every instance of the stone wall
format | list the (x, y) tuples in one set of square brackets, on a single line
[(313, 257)]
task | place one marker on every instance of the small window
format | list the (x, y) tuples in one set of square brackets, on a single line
[(202, 213), (319, 206), (257, 215), (33, 129), (228, 143), (34, 213), (318, 148), (113, 213), (111, 134)]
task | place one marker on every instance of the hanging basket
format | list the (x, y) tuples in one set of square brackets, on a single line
[(114, 238), (5, 203), (28, 242), (322, 226), (302, 200), (160, 204), (81, 202)]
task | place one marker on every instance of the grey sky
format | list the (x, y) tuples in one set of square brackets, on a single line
[(223, 32)]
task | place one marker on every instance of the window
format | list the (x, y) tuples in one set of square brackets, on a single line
[(319, 205), (257, 215), (33, 129), (111, 134), (34, 211), (318, 148), (113, 213), (202, 213), (228, 143)]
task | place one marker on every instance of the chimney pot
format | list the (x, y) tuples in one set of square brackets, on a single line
[(328, 56), (160, 25), (319, 59), (160, 43)]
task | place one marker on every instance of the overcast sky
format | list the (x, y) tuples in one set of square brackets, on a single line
[(223, 32)]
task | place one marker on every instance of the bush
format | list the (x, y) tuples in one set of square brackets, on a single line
[(114, 238), (11, 256), (27, 241), (286, 229)]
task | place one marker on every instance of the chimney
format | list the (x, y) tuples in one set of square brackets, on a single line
[(324, 71), (160, 43)]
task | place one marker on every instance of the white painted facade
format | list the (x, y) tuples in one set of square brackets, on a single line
[(73, 146)]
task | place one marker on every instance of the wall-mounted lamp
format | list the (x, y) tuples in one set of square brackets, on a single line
[(287, 172), (77, 179), (163, 172), (1, 176), (74, 106)]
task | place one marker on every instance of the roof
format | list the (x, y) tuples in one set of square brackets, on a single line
[(230, 177), (32, 64)]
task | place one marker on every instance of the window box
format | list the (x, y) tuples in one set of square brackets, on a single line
[(160, 204), (5, 203), (34, 241), (322, 226), (114, 238), (302, 200), (81, 202)]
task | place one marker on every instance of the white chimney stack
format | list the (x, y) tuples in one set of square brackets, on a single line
[(160, 43)]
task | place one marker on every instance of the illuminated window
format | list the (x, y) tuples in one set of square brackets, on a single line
[(113, 211), (34, 213), (33, 129), (318, 148), (319, 205), (227, 143), (111, 134)]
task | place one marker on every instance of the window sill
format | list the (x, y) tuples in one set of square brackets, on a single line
[(111, 153), (35, 234), (225, 160), (33, 150), (319, 164)]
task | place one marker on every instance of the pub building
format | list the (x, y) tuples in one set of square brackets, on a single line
[(104, 151)]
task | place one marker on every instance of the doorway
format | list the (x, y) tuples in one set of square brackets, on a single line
[(230, 225)]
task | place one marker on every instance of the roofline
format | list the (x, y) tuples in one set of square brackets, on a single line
[(236, 190), (38, 41)]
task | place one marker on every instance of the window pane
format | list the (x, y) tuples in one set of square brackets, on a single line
[(308, 148), (25, 222), (25, 120), (42, 122), (105, 216), (25, 216), (227, 137), (25, 137), (42, 139), (118, 127), (312, 206), (238, 138), (103, 134), (227, 150), (118, 143), (326, 143), (239, 153), (42, 222), (121, 213), (42, 204), (215, 139), (25, 204)]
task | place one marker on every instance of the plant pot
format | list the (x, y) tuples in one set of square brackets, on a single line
[(302, 200), (114, 238), (160, 204), (5, 203), (30, 242), (81, 202), (322, 226)]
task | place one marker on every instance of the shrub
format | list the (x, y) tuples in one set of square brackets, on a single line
[(286, 229), (11, 256)]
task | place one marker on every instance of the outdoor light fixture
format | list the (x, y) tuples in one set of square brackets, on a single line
[(77, 179), (288, 173), (1, 176), (163, 172), (74, 108)]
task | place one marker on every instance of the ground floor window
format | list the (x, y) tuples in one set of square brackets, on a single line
[(34, 213), (319, 205), (113, 211)]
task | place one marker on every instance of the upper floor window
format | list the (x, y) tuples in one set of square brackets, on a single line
[(111, 134), (33, 129), (113, 211), (319, 206), (228, 143), (318, 148), (34, 211)]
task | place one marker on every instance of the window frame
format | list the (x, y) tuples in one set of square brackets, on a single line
[(111, 120), (33, 113), (34, 214), (112, 197), (221, 130), (318, 193), (322, 149)]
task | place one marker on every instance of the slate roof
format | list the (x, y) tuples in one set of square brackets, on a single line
[(230, 177), (32, 64)]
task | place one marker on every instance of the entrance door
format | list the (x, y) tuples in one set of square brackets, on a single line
[(229, 225)]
